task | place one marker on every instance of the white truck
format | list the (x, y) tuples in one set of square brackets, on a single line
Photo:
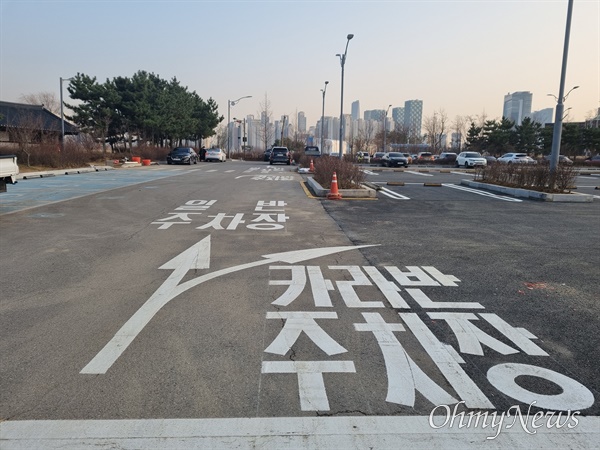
[(9, 169)]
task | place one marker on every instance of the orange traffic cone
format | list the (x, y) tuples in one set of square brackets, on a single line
[(334, 194), (312, 167)]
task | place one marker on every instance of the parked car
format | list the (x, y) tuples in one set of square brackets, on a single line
[(393, 159), (562, 159), (446, 158), (516, 158), (280, 155), (376, 158), (423, 157), (182, 155), (490, 159), (470, 159), (215, 154), (363, 157), (267, 156), (592, 161), (311, 151)]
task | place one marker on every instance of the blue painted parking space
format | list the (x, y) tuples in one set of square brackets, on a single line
[(36, 192)]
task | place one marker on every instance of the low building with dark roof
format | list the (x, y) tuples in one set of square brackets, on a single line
[(16, 119)]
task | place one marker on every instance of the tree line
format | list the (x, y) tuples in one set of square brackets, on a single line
[(143, 107), (497, 137)]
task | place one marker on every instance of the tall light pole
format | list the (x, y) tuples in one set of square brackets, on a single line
[(385, 125), (324, 90), (62, 115), (282, 128), (342, 62), (231, 103), (561, 97)]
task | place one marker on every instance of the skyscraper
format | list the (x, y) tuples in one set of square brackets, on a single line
[(301, 122), (355, 110), (413, 113), (398, 116), (517, 106)]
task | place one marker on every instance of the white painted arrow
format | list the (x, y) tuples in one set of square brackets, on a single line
[(196, 257)]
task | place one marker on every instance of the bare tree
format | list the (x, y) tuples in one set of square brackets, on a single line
[(435, 128), (266, 131), (27, 133), (459, 127), (48, 99)]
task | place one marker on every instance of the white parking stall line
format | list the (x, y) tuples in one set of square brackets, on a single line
[(463, 173), (418, 173), (229, 171), (485, 194), (393, 194), (211, 170), (370, 172)]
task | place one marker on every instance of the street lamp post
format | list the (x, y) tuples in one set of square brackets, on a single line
[(324, 90), (342, 62), (385, 125), (62, 115), (243, 122), (561, 97), (231, 103), (282, 128)]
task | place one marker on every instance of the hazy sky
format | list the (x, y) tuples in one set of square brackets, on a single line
[(458, 56)]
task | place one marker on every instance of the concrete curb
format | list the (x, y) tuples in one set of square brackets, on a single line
[(574, 197), (52, 173), (319, 191)]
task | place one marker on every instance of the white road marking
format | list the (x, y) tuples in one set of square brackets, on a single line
[(211, 170), (393, 194), (370, 172), (196, 257), (464, 173), (229, 171), (485, 194), (289, 432), (418, 173)]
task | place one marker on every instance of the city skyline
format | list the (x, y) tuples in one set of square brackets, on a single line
[(464, 66)]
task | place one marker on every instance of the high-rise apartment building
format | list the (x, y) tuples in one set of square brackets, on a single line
[(301, 122), (517, 106), (543, 116), (398, 116), (413, 115), (355, 110)]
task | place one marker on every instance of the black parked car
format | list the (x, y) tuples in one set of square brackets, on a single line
[(182, 155), (280, 155), (393, 159), (267, 156)]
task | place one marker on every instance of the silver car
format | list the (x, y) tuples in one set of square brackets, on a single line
[(215, 154), (516, 158)]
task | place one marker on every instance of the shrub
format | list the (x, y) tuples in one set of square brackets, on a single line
[(348, 175), (537, 178)]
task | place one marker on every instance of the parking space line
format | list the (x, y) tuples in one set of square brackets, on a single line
[(463, 173), (484, 193), (393, 194), (418, 173)]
